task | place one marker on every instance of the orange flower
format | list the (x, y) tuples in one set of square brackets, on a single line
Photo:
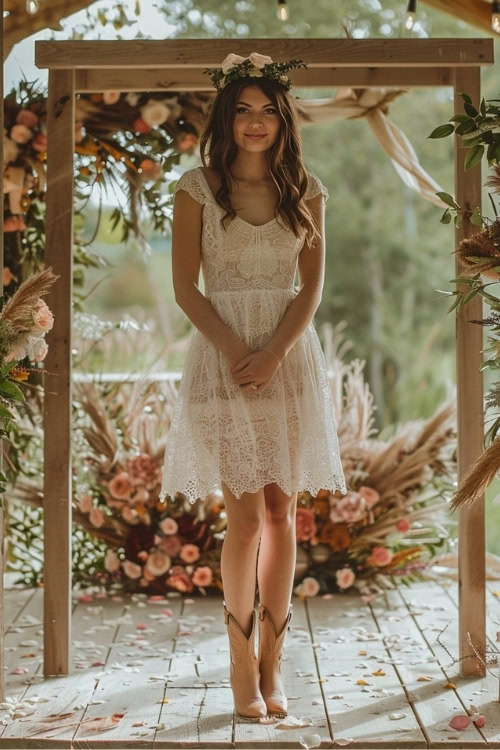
[(19, 374), (336, 535)]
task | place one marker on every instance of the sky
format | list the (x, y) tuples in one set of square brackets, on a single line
[(20, 62)]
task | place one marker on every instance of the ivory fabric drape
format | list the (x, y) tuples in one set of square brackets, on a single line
[(353, 103)]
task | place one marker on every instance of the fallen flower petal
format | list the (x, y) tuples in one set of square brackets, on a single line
[(459, 721), (424, 678), (450, 686)]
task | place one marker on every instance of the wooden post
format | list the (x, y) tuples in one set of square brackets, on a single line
[(2, 541), (470, 416), (57, 379)]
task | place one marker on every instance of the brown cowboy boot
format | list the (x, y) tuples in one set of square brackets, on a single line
[(270, 647), (244, 670)]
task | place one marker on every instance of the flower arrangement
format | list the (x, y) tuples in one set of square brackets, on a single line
[(480, 256), (255, 65), (388, 527)]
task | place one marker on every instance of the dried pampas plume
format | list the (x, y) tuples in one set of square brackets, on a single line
[(18, 310), (479, 477)]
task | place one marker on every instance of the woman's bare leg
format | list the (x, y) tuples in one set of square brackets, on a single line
[(277, 554), (245, 520)]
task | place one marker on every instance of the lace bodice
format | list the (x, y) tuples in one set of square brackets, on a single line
[(245, 256)]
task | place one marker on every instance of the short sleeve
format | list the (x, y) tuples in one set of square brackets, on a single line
[(314, 187), (189, 181)]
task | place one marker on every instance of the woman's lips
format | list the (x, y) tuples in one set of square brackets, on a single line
[(256, 137)]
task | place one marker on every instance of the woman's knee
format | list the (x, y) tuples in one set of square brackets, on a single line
[(280, 508), (246, 514)]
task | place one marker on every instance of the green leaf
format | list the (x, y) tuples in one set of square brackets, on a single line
[(473, 157), (442, 131), (446, 217), (483, 107), (476, 219), (466, 127), (10, 389), (470, 109), (447, 198), (466, 97), (459, 118)]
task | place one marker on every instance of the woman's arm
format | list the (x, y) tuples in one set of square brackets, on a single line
[(311, 266), (186, 261)]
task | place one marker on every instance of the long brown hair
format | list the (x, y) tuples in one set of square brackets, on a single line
[(285, 155)]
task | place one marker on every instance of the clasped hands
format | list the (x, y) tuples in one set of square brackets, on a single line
[(257, 367)]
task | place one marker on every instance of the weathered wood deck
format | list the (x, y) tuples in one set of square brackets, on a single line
[(169, 675)]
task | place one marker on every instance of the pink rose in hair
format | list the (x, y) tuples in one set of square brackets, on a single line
[(305, 524)]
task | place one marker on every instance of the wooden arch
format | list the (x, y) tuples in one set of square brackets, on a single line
[(177, 65)]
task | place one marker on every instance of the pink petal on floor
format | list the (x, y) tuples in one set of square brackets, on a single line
[(460, 721)]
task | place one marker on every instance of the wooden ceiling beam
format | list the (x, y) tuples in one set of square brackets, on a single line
[(475, 12)]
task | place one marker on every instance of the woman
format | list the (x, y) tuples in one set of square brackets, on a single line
[(254, 415)]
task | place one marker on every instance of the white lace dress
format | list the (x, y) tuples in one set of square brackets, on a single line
[(285, 434)]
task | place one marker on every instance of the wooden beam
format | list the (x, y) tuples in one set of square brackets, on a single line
[(470, 412), (341, 53), (2, 540), (90, 80), (57, 379), (475, 12)]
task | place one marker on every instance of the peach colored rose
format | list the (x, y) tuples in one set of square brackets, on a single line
[(349, 509), (154, 112), (158, 563), (345, 578), (110, 97), (27, 117), (309, 586), (179, 579), (371, 495), (96, 517), (85, 503), (132, 570), (7, 276), (20, 134), (380, 556), (144, 471), (42, 353), (14, 223), (172, 545), (305, 525), (120, 486), (202, 576), (39, 142), (112, 561), (403, 525), (169, 526), (189, 553), (42, 317)]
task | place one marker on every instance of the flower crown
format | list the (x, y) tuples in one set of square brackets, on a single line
[(235, 66)]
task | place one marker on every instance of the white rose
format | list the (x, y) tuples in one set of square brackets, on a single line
[(259, 60), (154, 112), (231, 60), (256, 73)]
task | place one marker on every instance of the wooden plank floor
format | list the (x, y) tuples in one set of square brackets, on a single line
[(163, 666)]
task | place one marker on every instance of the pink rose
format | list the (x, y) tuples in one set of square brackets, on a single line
[(172, 545), (132, 570), (380, 556), (158, 563), (96, 517), (14, 223), (111, 561), (308, 587), (190, 553), (202, 576), (110, 97), (120, 486), (179, 579), (20, 134), (345, 578), (169, 526), (371, 496), (403, 525), (27, 117), (305, 525), (349, 509), (39, 142), (85, 503), (144, 470), (43, 318)]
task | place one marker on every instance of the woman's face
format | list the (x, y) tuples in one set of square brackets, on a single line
[(255, 115)]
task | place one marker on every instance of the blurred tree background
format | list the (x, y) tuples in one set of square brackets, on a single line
[(387, 252)]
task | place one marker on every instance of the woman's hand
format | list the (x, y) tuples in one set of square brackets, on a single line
[(258, 367)]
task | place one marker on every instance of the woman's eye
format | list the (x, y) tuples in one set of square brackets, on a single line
[(269, 110)]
